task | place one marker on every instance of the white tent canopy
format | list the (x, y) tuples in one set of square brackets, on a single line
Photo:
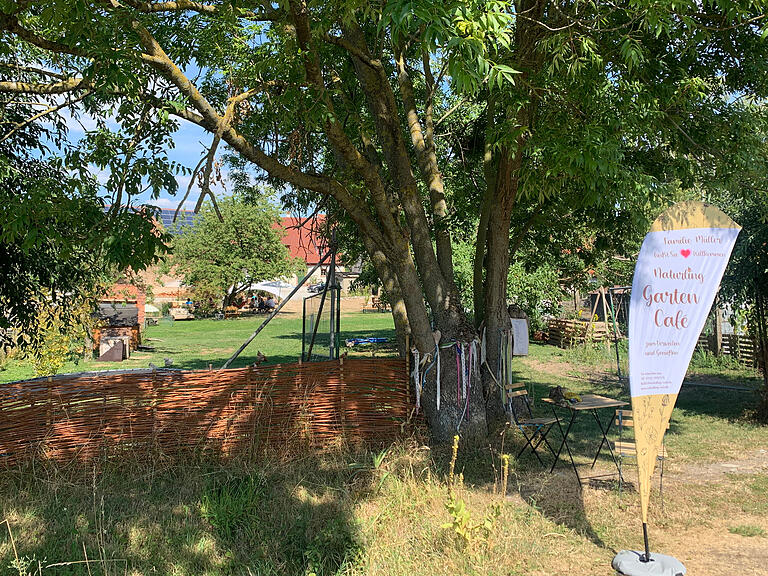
[(277, 287)]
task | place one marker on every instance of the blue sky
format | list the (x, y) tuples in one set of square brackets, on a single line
[(189, 142)]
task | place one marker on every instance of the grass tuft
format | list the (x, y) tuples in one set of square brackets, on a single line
[(747, 530)]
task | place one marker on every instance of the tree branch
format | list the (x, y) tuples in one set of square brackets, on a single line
[(39, 115), (189, 187), (31, 70), (269, 15), (42, 88), (354, 50), (10, 23)]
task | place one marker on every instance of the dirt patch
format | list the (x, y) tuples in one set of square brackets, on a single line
[(755, 462), (717, 552), (559, 369)]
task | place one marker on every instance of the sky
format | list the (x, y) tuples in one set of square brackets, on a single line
[(189, 142)]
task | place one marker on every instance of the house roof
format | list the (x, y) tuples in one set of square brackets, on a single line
[(186, 218)]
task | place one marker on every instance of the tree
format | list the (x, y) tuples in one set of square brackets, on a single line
[(746, 279), (59, 243), (582, 103), (745, 282), (230, 253)]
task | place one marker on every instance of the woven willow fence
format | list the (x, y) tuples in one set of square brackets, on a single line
[(81, 417)]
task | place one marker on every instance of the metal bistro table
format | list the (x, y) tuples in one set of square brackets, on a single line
[(591, 403)]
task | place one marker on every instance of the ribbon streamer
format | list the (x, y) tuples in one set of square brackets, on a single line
[(463, 372), (437, 355), (416, 377)]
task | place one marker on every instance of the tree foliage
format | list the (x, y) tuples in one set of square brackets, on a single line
[(581, 112), (58, 241)]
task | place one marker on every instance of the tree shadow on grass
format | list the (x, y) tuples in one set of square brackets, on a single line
[(184, 517), (557, 495)]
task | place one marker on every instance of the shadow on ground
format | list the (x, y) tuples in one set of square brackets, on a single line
[(556, 496), (183, 518)]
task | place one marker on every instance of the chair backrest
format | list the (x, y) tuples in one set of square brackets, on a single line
[(517, 390), (627, 448)]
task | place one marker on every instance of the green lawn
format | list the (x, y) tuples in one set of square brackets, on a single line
[(197, 344)]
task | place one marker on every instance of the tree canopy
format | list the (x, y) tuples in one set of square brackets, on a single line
[(58, 240)]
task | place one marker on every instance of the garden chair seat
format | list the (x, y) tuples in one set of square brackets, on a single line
[(535, 430), (538, 421)]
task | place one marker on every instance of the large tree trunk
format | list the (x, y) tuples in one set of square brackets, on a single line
[(458, 414), (391, 285), (455, 416), (489, 170), (423, 143), (761, 317), (497, 267), (433, 281), (440, 291)]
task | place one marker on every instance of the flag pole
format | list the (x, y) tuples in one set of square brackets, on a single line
[(647, 557)]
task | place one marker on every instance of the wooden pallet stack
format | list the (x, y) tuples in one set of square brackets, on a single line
[(568, 333)]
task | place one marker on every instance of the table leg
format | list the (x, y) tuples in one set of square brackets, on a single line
[(605, 441), (603, 432), (565, 443), (562, 435)]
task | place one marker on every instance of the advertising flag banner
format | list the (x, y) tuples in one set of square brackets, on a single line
[(677, 275)]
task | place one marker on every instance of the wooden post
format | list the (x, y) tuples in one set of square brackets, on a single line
[(154, 410), (591, 325), (49, 408), (601, 295), (342, 407), (718, 339)]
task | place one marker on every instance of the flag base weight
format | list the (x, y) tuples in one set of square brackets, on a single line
[(633, 563)]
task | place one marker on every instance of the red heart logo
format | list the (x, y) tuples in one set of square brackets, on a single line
[(685, 253)]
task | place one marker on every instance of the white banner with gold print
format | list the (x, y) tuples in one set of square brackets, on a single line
[(677, 275)]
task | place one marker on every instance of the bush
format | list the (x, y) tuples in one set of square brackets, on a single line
[(704, 359), (61, 339), (536, 292)]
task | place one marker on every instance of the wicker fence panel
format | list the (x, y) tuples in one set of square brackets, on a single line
[(80, 417)]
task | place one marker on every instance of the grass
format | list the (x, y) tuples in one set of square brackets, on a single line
[(348, 510), (707, 424), (196, 344), (748, 530)]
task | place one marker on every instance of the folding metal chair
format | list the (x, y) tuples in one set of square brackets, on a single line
[(535, 430), (628, 449)]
